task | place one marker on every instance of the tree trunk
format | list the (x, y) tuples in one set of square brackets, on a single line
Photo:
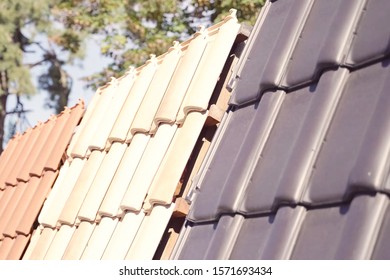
[(3, 104)]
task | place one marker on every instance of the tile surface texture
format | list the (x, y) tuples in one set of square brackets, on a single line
[(115, 193), (28, 169), (299, 167)]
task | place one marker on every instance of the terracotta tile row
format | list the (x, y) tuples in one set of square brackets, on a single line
[(29, 167)]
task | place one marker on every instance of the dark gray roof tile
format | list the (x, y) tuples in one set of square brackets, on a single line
[(372, 36), (264, 61)]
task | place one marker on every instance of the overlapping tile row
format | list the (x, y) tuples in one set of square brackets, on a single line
[(299, 167), (116, 192), (28, 168)]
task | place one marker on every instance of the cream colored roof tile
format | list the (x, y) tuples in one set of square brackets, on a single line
[(79, 241), (133, 101), (33, 242), (175, 160), (147, 168), (150, 232), (123, 175), (181, 79), (52, 211), (92, 127), (101, 182), (81, 188), (121, 88), (84, 122), (148, 108), (46, 237), (59, 243), (206, 77), (123, 236), (99, 239)]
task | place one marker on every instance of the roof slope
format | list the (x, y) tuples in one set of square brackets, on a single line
[(117, 190), (306, 140), (28, 168)]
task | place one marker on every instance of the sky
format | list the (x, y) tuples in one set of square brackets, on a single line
[(92, 63)]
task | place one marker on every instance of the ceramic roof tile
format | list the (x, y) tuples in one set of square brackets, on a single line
[(149, 233), (6, 247), (182, 77), (20, 243), (133, 101), (6, 156), (299, 166), (25, 224), (123, 236), (123, 176), (114, 161), (79, 241), (21, 207), (121, 88), (368, 44), (99, 239), (31, 246), (203, 82), (81, 188), (99, 186), (59, 243), (147, 168), (42, 245), (61, 192), (164, 183), (158, 86)]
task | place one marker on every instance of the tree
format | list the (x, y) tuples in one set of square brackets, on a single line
[(55, 31)]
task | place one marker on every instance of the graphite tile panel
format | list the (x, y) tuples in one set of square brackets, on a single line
[(275, 35), (130, 107), (323, 40), (59, 243), (181, 79), (79, 241), (18, 247), (101, 182), (45, 239), (372, 34), (99, 239), (149, 106), (382, 247), (244, 135), (35, 205), (268, 237), (21, 207), (81, 188), (123, 236), (123, 175), (150, 233), (354, 118), (147, 168), (344, 232), (171, 168), (121, 88), (206, 77), (61, 192)]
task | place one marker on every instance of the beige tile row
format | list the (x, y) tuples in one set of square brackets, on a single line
[(135, 236)]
